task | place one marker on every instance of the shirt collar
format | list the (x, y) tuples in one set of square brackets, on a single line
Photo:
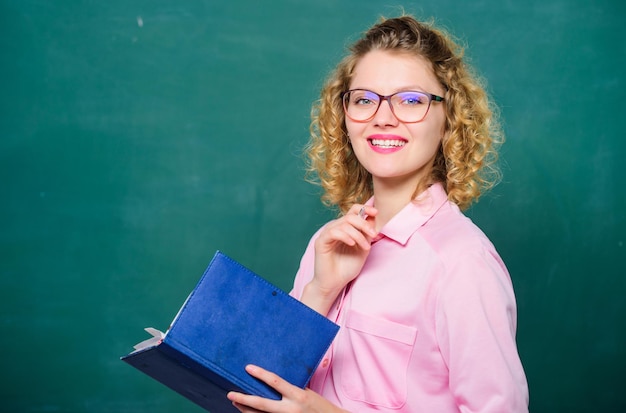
[(414, 214)]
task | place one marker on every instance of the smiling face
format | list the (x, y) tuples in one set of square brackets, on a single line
[(395, 152)]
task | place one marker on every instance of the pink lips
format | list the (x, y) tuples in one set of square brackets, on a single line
[(386, 143)]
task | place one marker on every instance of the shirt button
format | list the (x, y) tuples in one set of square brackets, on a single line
[(325, 363)]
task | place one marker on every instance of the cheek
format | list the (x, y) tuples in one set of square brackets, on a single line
[(353, 128), (434, 131), (428, 134)]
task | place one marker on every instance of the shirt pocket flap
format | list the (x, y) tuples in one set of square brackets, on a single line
[(381, 328)]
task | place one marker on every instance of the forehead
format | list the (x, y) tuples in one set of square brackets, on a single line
[(387, 72)]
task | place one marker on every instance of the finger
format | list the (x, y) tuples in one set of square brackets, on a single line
[(246, 403), (364, 213), (242, 408), (346, 234), (362, 210), (361, 232), (370, 211), (363, 225), (354, 209), (271, 379)]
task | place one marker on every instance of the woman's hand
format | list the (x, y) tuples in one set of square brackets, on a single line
[(340, 252), (295, 399)]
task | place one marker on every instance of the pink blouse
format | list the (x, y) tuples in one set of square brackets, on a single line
[(429, 323)]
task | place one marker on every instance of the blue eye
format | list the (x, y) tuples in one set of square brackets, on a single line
[(412, 98), (364, 98)]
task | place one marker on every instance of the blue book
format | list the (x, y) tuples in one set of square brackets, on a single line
[(231, 319)]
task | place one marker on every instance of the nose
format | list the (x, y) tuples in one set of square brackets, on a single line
[(384, 116)]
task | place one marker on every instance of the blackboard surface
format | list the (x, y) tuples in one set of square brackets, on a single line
[(136, 138)]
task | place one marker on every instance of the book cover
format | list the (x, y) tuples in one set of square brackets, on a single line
[(231, 319)]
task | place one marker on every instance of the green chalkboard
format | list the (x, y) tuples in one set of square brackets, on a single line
[(136, 138)]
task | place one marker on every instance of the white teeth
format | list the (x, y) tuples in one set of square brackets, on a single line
[(386, 143)]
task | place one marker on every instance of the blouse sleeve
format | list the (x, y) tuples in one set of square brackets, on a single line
[(305, 271), (476, 322)]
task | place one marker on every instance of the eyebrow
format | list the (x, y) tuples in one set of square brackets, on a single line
[(397, 90)]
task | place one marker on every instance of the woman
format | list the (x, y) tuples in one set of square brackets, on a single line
[(403, 139)]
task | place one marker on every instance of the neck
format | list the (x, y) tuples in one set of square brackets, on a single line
[(390, 198)]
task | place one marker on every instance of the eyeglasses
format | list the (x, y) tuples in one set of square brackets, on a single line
[(408, 106)]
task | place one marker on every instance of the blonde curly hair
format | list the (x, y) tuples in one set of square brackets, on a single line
[(466, 160)]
